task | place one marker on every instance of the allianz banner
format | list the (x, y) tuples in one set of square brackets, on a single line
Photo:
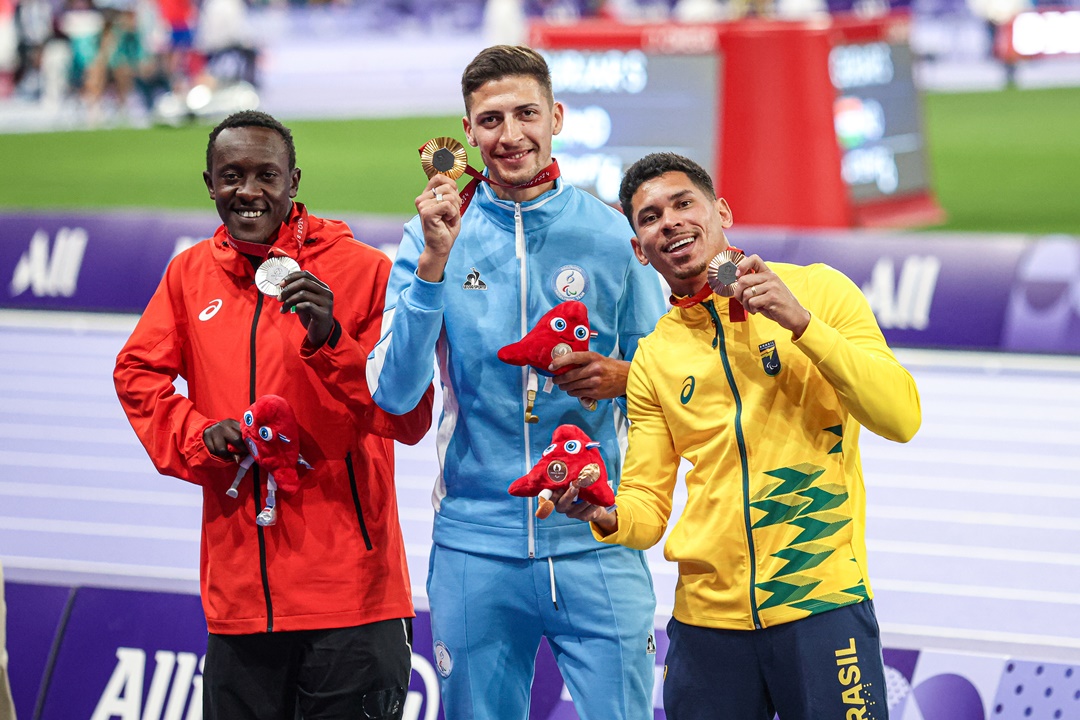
[(103, 654), (938, 290)]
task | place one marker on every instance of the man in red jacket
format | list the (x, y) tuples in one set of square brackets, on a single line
[(313, 611)]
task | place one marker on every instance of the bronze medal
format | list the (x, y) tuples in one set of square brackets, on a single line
[(443, 155), (721, 272)]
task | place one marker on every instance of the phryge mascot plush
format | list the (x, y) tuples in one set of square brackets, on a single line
[(269, 430), (563, 329), (572, 458)]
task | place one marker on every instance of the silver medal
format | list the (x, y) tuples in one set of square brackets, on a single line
[(272, 273)]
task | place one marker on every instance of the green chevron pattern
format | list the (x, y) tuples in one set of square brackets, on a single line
[(820, 527), (837, 430), (795, 500), (798, 560), (777, 511), (825, 497), (785, 592)]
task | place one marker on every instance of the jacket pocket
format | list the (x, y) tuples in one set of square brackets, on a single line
[(356, 500)]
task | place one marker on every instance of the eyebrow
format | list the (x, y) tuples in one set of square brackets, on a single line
[(671, 198), (519, 108)]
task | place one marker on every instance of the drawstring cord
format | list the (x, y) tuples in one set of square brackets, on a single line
[(551, 574)]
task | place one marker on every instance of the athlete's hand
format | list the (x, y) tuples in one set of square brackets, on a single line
[(760, 291), (440, 216), (607, 521), (314, 304), (595, 376), (223, 438)]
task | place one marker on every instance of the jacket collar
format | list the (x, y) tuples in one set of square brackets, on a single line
[(298, 231), (540, 210)]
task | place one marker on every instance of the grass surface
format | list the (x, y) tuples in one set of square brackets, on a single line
[(1007, 161), (1000, 162)]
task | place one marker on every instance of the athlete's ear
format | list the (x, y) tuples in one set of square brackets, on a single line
[(638, 253), (726, 218), (209, 183), (557, 112), (294, 185), (468, 130)]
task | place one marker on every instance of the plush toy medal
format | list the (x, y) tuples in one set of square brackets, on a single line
[(572, 458), (269, 429), (563, 329)]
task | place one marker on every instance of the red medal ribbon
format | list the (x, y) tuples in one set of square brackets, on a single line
[(548, 174), (691, 300), (296, 226)]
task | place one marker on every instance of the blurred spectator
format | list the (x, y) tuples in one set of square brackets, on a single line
[(225, 39), (180, 16), (117, 63), (82, 25), (9, 44), (35, 22)]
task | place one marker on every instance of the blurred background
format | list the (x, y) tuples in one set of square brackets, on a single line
[(928, 149)]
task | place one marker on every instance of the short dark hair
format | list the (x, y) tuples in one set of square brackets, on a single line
[(499, 61), (653, 166), (252, 118)]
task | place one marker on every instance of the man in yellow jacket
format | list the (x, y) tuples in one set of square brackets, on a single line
[(763, 393)]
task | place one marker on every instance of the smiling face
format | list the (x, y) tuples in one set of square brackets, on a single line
[(679, 229), (251, 183), (512, 121)]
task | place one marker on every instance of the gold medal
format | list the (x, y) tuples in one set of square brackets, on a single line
[(721, 272), (443, 155), (272, 273)]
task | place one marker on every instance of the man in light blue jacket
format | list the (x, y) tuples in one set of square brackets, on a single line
[(462, 287)]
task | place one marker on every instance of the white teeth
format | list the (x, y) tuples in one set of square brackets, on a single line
[(678, 244), (249, 213)]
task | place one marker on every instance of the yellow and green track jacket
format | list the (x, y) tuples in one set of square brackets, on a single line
[(773, 528)]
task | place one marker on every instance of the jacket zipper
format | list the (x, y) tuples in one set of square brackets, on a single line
[(720, 344), (519, 251), (356, 500), (256, 475)]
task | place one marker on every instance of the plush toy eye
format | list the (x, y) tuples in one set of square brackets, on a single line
[(558, 324), (266, 433), (248, 418), (549, 448), (581, 332), (572, 446)]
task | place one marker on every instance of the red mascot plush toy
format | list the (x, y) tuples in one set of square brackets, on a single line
[(571, 458), (268, 429), (563, 329)]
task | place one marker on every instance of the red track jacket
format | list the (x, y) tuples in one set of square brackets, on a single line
[(336, 557)]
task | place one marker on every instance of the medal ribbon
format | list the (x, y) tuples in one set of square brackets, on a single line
[(736, 312), (548, 174), (296, 227)]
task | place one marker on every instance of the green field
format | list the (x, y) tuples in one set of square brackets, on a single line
[(1000, 162)]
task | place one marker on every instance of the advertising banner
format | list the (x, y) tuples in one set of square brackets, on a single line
[(136, 655), (936, 290)]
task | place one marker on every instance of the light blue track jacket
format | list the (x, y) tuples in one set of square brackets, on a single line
[(511, 263)]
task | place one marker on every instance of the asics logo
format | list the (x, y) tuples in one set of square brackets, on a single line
[(211, 309), (687, 389)]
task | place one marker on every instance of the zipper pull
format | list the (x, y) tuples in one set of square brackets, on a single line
[(519, 232), (715, 322)]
